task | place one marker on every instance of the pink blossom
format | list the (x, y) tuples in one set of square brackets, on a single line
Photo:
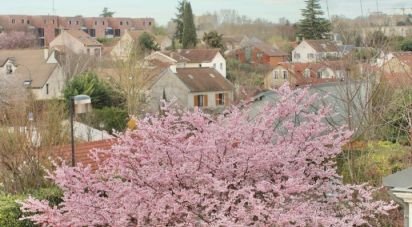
[(183, 169)]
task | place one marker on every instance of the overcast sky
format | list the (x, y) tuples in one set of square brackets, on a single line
[(163, 10)]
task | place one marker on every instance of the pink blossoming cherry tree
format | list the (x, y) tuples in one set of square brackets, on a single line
[(276, 168)]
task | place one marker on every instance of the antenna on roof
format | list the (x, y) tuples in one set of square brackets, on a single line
[(361, 7), (327, 8), (53, 9)]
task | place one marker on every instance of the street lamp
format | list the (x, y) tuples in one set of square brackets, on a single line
[(78, 104)]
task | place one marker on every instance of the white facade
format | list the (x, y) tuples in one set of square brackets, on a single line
[(53, 88), (218, 63), (305, 53)]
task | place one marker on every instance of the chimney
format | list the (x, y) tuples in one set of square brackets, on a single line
[(173, 68), (46, 53)]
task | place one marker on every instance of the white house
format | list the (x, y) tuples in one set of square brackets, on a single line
[(192, 58), (34, 69), (77, 42), (315, 51)]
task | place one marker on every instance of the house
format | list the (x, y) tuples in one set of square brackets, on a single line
[(47, 28), (202, 88), (257, 52), (34, 69), (78, 42), (397, 69), (125, 44), (192, 58), (315, 51), (297, 74)]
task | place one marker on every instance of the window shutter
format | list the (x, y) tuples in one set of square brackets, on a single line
[(195, 101), (205, 101), (226, 96), (217, 99)]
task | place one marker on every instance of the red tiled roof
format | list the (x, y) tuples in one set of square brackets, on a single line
[(404, 57), (83, 151)]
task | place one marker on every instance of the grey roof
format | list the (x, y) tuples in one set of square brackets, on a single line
[(401, 179)]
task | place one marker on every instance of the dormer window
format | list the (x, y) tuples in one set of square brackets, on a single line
[(9, 69)]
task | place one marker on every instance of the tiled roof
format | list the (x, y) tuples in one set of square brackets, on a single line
[(83, 37), (30, 65), (83, 151), (322, 45), (269, 50), (198, 55), (203, 79), (404, 57)]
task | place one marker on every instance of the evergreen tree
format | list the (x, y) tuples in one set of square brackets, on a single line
[(179, 21), (189, 37), (313, 25), (214, 40), (106, 13)]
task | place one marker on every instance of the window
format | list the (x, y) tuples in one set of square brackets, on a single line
[(102, 22), (95, 22), (88, 51), (9, 69), (121, 22), (92, 32), (70, 22), (150, 23), (296, 55), (214, 65), (200, 100), (127, 22), (28, 21), (285, 75), (53, 21), (275, 74), (45, 21), (220, 99), (56, 32), (40, 32), (200, 65), (117, 32), (97, 52), (319, 74), (47, 89), (77, 22), (311, 56), (22, 21), (13, 21), (221, 66)]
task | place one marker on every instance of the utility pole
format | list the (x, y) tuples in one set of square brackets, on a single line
[(53, 9), (377, 6)]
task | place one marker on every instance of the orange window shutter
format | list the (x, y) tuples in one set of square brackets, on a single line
[(195, 100), (205, 100)]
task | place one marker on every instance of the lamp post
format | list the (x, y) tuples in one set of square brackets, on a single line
[(78, 104)]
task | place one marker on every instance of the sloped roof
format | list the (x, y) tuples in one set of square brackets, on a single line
[(323, 45), (30, 65), (83, 37), (198, 55), (269, 50), (404, 57), (401, 179), (174, 55), (203, 79), (135, 34), (83, 151)]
